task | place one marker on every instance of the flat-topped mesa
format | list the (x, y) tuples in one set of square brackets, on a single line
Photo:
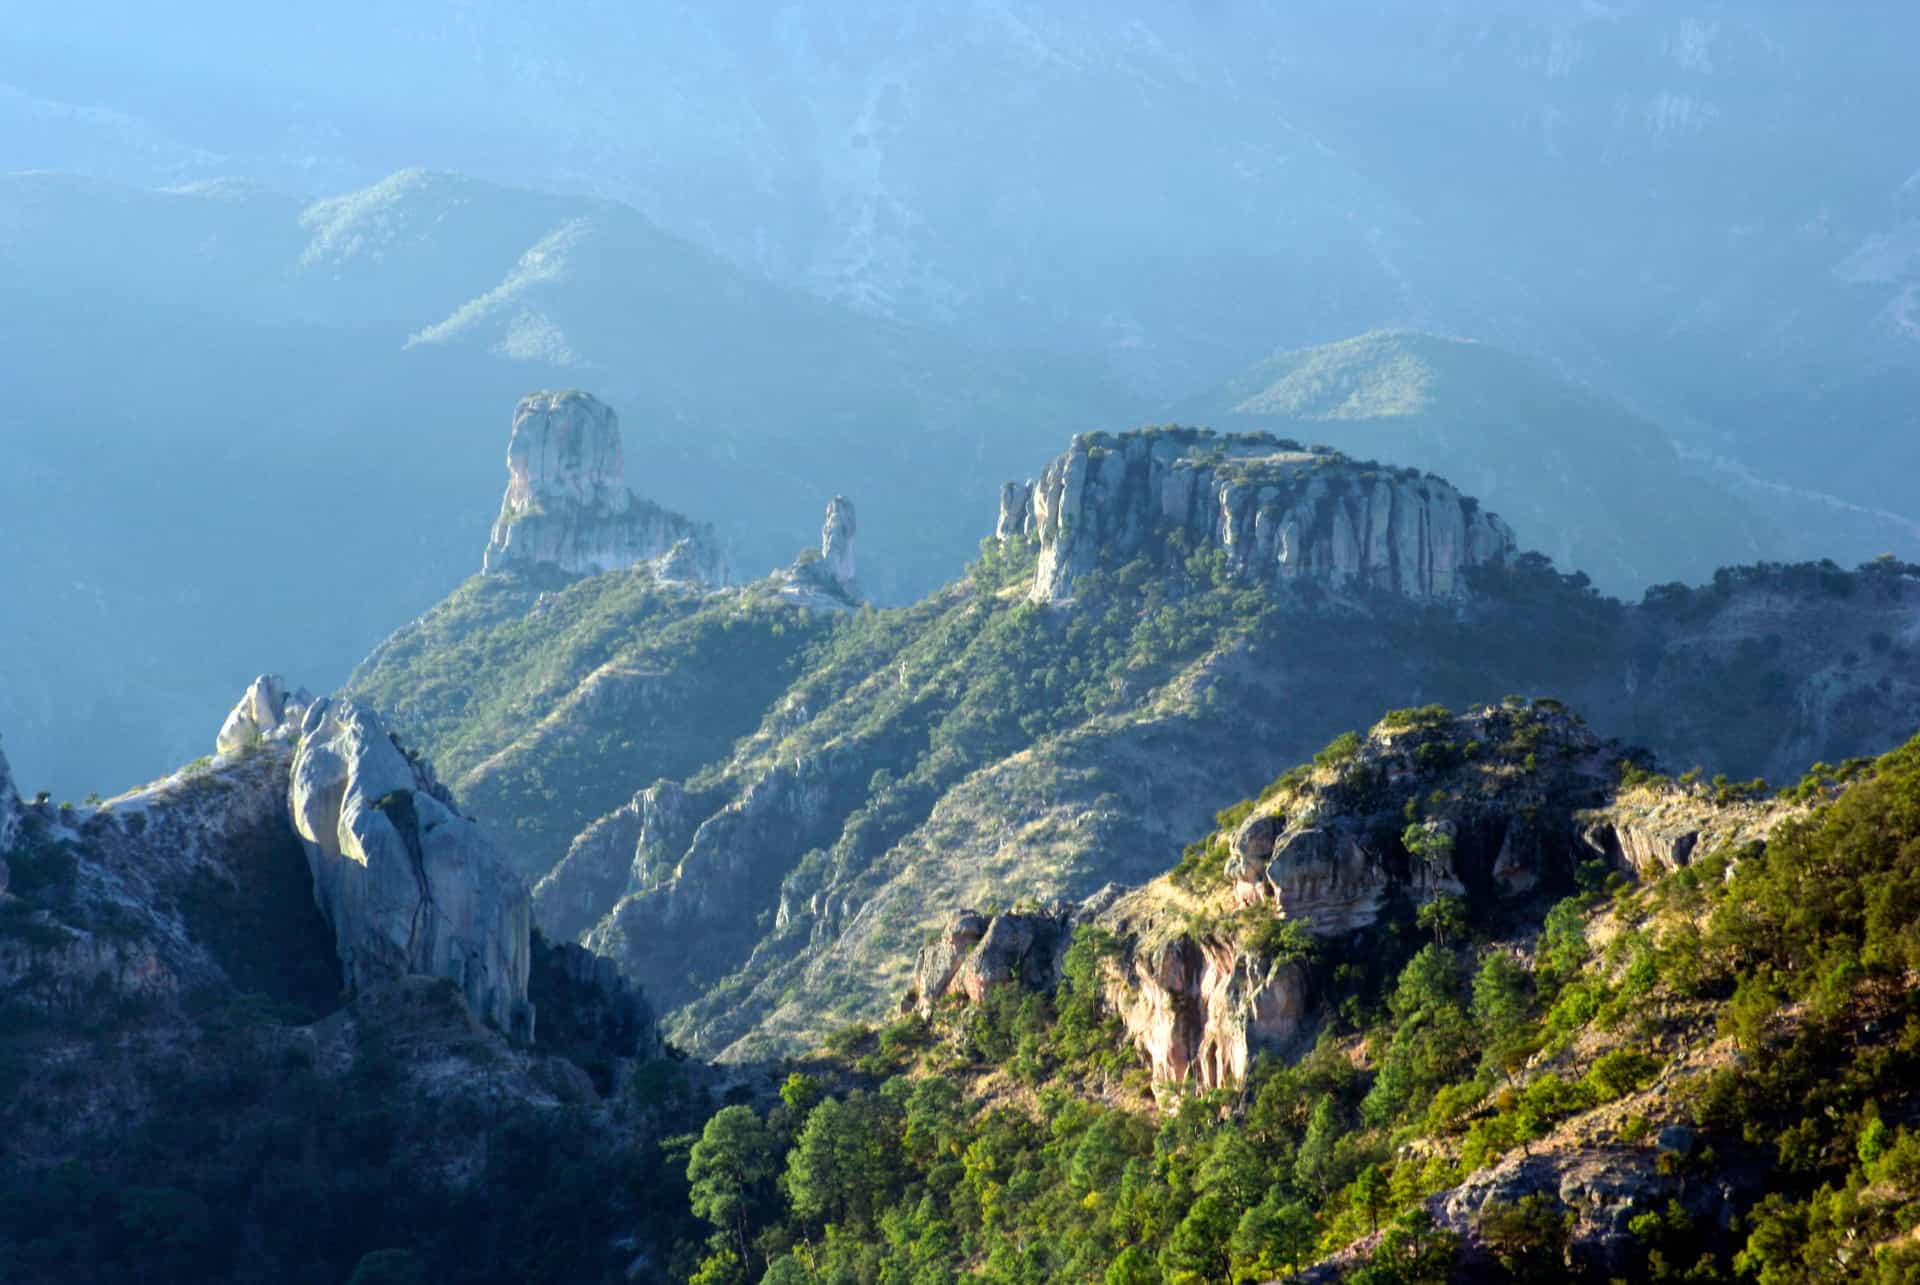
[(567, 504), (1285, 515), (408, 885)]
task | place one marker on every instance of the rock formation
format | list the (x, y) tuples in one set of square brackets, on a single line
[(1654, 830), (1284, 515), (1198, 1010), (836, 544), (567, 504), (826, 580), (407, 884), (613, 858), (977, 952), (9, 808), (266, 710)]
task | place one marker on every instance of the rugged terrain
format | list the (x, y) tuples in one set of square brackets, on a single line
[(276, 1013), (1162, 622), (1473, 997)]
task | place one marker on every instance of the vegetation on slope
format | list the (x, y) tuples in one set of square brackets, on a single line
[(546, 700), (1759, 1000)]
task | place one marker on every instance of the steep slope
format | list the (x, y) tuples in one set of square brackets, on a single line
[(1087, 697), (1580, 476), (235, 1047), (1472, 997)]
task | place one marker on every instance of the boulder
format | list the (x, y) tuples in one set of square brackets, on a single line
[(408, 885), (567, 504)]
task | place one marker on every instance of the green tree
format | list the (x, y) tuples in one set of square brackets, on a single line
[(728, 1171), (1445, 917), (1198, 1249), (1502, 1002), (1371, 1192), (843, 1163)]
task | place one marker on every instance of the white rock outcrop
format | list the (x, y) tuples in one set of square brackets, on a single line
[(567, 504), (267, 710), (827, 580), (408, 885), (1283, 514), (836, 544)]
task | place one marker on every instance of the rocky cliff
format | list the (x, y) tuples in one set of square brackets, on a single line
[(1283, 515), (407, 883), (567, 504), (1213, 963)]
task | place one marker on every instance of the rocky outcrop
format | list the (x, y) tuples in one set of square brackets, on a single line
[(1198, 1010), (567, 504), (1284, 515), (1653, 830), (9, 809), (975, 953), (267, 710), (726, 874), (836, 544), (613, 858), (408, 885), (826, 580), (1500, 794)]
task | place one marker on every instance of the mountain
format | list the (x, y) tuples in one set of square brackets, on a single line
[(1579, 475), (283, 1013), (1469, 997), (1706, 213), (760, 808), (328, 378)]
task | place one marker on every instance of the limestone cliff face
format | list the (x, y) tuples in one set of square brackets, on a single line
[(1199, 1009), (1282, 514), (408, 885), (567, 504)]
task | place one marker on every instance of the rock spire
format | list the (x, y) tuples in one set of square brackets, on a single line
[(836, 544), (567, 504)]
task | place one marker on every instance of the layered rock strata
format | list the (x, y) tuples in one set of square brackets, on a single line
[(567, 504), (1282, 514), (407, 883)]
